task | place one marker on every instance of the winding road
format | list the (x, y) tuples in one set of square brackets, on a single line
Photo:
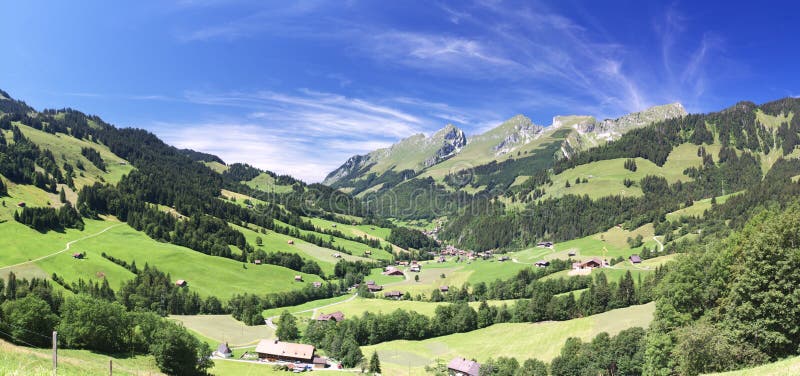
[(68, 245)]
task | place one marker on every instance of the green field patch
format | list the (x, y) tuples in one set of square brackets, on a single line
[(699, 207), (224, 328), (66, 148), (536, 340), (275, 242), (357, 249), (307, 307), (207, 275), (266, 183), (785, 367), (216, 166)]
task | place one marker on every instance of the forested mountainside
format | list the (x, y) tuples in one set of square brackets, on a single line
[(485, 165), (746, 148)]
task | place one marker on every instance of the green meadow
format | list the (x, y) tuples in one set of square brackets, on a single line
[(542, 341)]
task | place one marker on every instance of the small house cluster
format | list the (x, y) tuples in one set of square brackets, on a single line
[(373, 287)]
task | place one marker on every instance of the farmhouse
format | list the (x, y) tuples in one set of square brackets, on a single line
[(290, 242), (415, 268), (542, 263), (370, 283), (503, 258), (571, 253), (180, 283), (257, 262), (393, 295), (223, 351), (391, 270), (589, 264), (368, 252), (336, 316), (320, 362), (444, 288), (373, 287), (463, 367), (298, 278), (274, 350), (635, 259)]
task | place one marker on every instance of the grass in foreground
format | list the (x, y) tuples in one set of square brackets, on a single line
[(786, 367)]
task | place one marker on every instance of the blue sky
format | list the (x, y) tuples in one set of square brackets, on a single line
[(299, 86)]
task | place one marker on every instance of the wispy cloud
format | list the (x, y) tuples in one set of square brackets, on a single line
[(305, 134)]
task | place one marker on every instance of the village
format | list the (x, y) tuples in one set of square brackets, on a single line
[(299, 357)]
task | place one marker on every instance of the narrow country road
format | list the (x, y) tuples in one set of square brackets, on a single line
[(68, 245), (269, 323)]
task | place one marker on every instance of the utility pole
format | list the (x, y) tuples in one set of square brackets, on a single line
[(55, 352), (110, 367)]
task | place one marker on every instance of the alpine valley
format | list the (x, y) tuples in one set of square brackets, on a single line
[(656, 243)]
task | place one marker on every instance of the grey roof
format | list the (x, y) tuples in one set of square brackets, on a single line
[(223, 348), (465, 366)]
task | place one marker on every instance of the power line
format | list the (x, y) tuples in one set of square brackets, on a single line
[(21, 328), (17, 339)]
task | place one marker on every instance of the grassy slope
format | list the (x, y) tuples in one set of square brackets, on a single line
[(698, 208), (786, 367), (456, 274), (224, 328), (274, 242), (266, 183), (359, 306), (68, 149), (540, 340), (614, 240), (356, 248), (18, 360), (606, 177), (216, 166), (208, 275)]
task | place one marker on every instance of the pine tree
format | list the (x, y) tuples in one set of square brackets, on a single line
[(62, 196), (374, 363)]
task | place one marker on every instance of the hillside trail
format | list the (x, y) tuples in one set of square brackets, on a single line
[(66, 248), (660, 245), (269, 323)]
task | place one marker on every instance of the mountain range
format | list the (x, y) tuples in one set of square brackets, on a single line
[(449, 151)]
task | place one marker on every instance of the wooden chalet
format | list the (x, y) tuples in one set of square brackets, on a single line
[(415, 268), (181, 283), (335, 317), (444, 288), (274, 350), (290, 242), (635, 259), (320, 362), (542, 263), (463, 367), (544, 244), (589, 264), (393, 295), (257, 262), (391, 270), (78, 256), (298, 278), (374, 288)]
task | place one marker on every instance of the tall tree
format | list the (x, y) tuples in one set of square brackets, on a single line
[(287, 327)]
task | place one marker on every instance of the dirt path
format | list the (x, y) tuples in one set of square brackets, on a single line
[(68, 245), (660, 245)]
